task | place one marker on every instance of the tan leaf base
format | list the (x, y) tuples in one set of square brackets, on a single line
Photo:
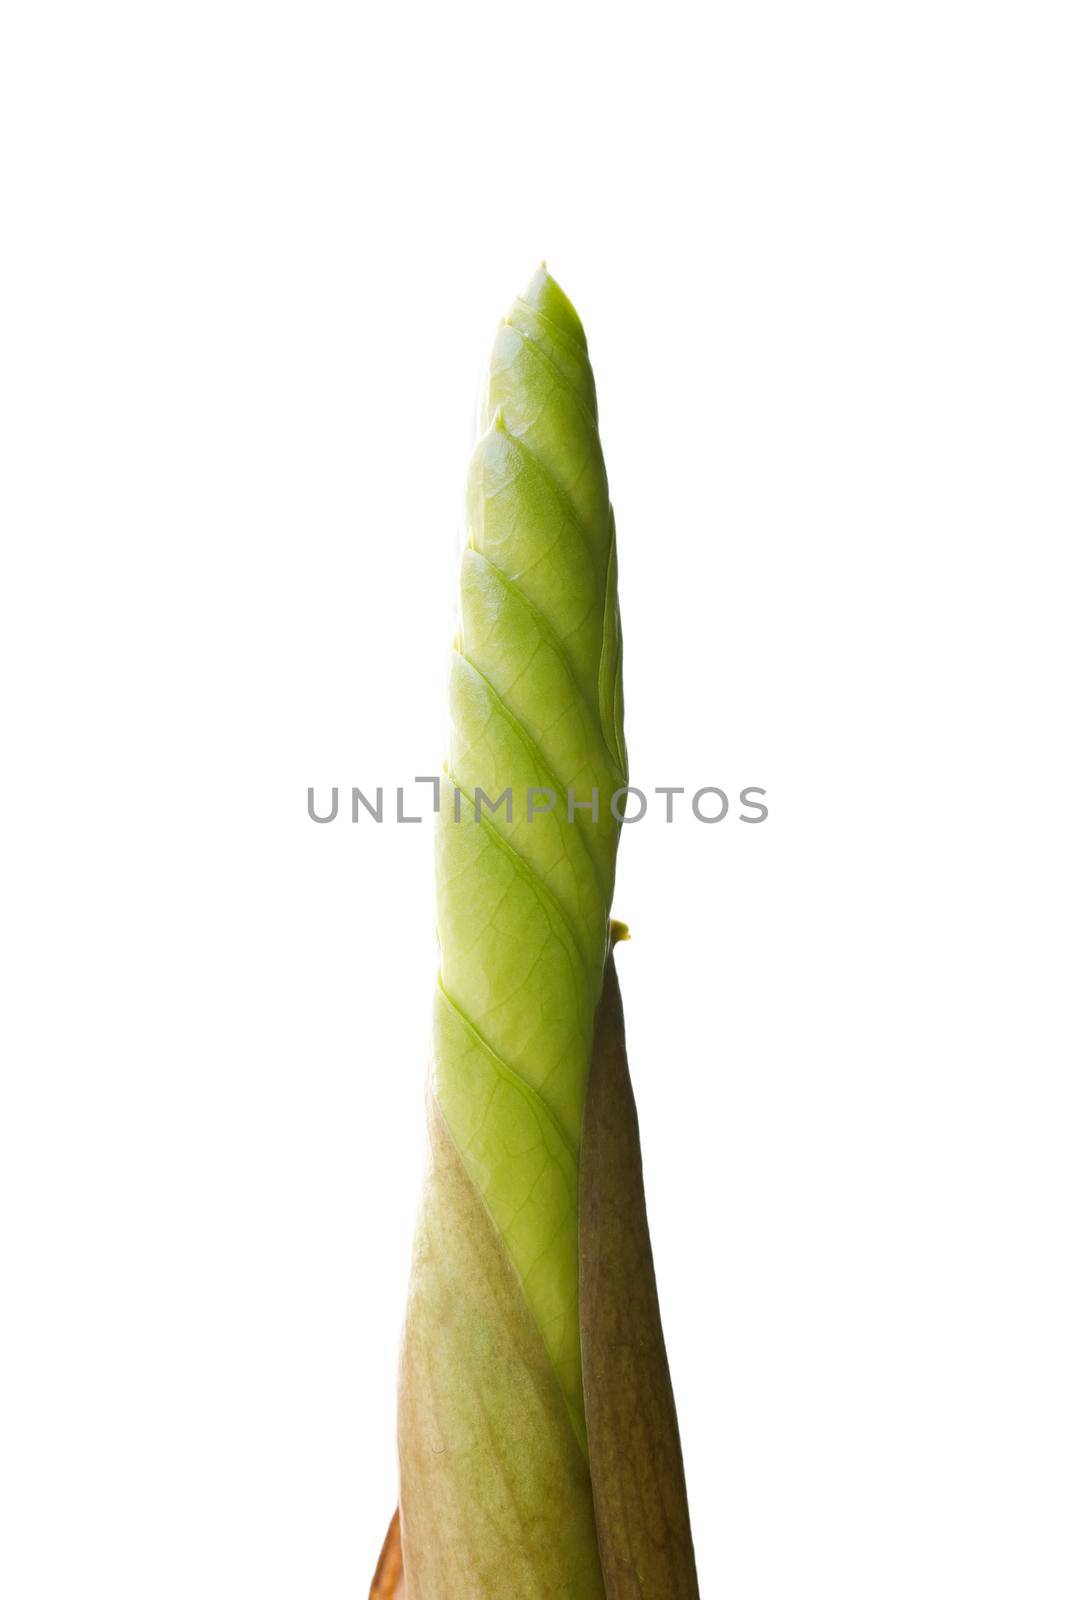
[(499, 1501)]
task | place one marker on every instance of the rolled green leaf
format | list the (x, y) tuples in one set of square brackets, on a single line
[(539, 1452)]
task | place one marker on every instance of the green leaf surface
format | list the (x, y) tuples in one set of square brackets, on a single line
[(523, 903)]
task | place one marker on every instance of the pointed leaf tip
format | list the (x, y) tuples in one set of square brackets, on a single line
[(545, 296)]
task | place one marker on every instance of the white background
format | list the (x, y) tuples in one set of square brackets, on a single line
[(255, 255)]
